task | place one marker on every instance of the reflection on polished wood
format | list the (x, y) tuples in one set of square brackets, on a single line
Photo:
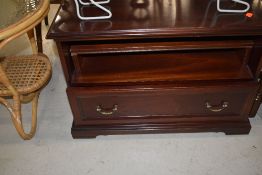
[(155, 18)]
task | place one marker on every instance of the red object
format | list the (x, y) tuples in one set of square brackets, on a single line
[(250, 15)]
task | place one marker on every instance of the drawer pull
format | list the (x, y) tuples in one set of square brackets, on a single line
[(103, 111), (219, 108)]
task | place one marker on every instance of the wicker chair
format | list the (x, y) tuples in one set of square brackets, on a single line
[(22, 78)]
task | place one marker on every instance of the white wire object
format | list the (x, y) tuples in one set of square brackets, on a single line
[(97, 4), (234, 11)]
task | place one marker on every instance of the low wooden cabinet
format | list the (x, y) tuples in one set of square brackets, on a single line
[(161, 72)]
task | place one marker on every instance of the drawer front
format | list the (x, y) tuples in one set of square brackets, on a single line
[(100, 105)]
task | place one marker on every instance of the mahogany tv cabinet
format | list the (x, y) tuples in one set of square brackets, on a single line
[(160, 67)]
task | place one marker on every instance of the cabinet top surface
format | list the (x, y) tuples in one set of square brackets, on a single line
[(156, 18)]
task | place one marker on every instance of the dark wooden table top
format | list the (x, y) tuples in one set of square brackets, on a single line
[(156, 18)]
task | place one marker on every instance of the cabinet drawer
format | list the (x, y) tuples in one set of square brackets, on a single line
[(144, 63), (105, 105)]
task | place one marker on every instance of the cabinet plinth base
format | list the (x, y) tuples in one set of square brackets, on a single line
[(228, 127)]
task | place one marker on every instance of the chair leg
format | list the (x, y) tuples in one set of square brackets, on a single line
[(46, 21), (19, 125), (31, 36), (17, 117), (36, 42), (38, 31)]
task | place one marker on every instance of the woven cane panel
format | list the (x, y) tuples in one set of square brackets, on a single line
[(27, 74)]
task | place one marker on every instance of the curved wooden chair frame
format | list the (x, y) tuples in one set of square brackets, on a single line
[(21, 94), (24, 90), (15, 108)]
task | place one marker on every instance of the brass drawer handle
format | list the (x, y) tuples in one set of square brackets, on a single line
[(219, 108), (103, 111)]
